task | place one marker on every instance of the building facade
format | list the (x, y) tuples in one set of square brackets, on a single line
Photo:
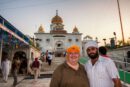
[(58, 39), (15, 44)]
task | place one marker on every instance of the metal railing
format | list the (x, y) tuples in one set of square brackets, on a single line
[(124, 70)]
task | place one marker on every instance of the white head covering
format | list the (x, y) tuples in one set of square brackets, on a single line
[(91, 43)]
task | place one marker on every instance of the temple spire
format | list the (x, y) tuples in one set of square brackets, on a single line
[(56, 12)]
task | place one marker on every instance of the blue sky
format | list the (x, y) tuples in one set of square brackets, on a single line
[(97, 18)]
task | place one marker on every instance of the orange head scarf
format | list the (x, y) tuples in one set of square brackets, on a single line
[(73, 48)]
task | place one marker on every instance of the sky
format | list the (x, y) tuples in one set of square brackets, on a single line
[(97, 18)]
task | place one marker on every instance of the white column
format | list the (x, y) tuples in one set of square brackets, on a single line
[(28, 55)]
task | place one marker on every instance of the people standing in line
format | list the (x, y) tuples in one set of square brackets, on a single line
[(49, 58), (15, 69), (103, 51), (70, 73), (5, 67), (35, 68), (101, 71)]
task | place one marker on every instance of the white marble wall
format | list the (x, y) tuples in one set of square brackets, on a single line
[(66, 43)]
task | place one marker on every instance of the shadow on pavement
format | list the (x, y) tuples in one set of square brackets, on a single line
[(41, 76)]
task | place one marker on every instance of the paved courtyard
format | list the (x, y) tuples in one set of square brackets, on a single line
[(43, 81), (10, 81), (30, 83)]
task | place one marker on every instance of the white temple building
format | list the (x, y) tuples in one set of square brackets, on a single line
[(58, 39)]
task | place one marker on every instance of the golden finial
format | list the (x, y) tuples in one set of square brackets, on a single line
[(41, 29)]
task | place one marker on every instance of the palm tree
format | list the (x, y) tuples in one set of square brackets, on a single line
[(120, 42)]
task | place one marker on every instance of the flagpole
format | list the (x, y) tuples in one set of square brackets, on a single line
[(123, 40)]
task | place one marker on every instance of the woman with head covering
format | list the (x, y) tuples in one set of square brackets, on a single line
[(70, 73)]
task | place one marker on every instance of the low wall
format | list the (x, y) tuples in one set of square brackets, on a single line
[(119, 53)]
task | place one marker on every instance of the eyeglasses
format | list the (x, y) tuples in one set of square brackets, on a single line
[(73, 54)]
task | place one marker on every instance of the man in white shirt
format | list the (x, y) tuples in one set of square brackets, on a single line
[(101, 71), (5, 68)]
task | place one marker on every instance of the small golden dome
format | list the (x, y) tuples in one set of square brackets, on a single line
[(57, 19), (75, 30), (41, 29)]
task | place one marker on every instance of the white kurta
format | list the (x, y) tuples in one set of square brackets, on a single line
[(102, 72), (5, 65)]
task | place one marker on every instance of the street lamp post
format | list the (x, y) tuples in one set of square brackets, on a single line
[(104, 41), (123, 40), (96, 39), (114, 33)]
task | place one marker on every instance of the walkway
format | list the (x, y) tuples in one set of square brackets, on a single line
[(10, 81)]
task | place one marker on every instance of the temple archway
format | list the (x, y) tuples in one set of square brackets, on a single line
[(59, 49), (23, 60)]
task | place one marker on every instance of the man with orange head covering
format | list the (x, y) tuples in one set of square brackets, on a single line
[(70, 73)]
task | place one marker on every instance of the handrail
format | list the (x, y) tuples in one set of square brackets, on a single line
[(124, 70), (121, 61)]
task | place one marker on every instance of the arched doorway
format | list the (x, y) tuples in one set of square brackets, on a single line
[(23, 59), (59, 49)]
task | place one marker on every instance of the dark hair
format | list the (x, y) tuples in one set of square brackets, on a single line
[(103, 50), (4, 56)]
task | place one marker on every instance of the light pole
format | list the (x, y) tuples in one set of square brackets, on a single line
[(123, 40), (104, 41), (96, 39), (114, 33)]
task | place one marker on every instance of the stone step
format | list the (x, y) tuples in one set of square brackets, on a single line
[(55, 62), (58, 61)]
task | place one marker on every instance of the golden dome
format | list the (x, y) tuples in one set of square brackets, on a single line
[(75, 30), (57, 19), (41, 29)]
